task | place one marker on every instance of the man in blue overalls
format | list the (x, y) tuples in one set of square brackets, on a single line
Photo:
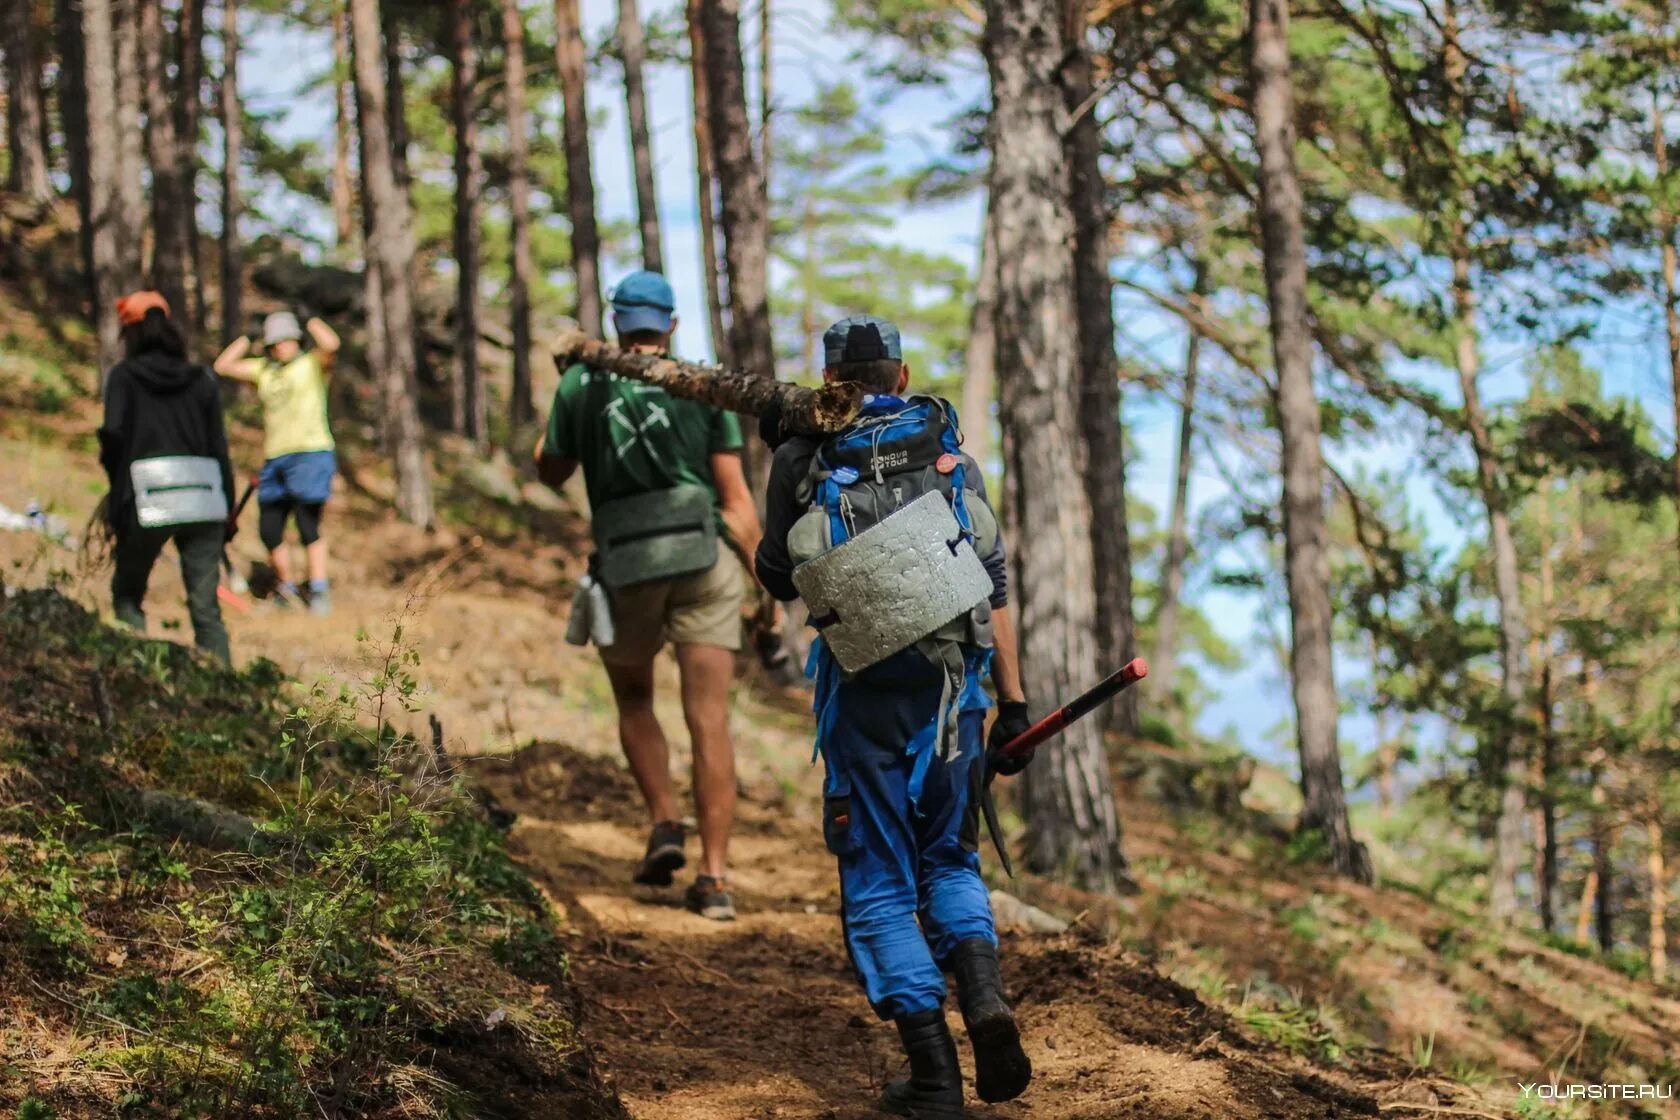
[(900, 705)]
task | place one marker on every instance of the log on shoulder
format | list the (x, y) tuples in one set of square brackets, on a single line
[(827, 409)]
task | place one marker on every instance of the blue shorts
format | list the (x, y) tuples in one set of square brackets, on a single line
[(303, 476)]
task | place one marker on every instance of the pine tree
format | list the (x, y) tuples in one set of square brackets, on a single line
[(232, 114), (705, 173), (130, 100), (170, 249), (342, 193), (1099, 366), (1072, 825), (634, 52), (390, 251), (746, 225), (521, 408), (26, 120), (466, 388), (110, 278), (1308, 567), (580, 183)]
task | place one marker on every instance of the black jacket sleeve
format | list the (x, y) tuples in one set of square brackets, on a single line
[(113, 446), (997, 563), (782, 507)]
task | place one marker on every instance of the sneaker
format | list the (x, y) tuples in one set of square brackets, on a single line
[(320, 601), (285, 597), (708, 898), (664, 855)]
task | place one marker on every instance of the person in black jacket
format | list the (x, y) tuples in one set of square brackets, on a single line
[(164, 448)]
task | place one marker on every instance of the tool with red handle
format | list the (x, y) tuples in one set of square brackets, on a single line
[(1077, 708), (1048, 728)]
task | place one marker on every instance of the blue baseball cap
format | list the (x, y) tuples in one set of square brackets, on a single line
[(643, 301), (861, 338)]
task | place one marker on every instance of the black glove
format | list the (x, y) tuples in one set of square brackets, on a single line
[(770, 425), (1012, 720)]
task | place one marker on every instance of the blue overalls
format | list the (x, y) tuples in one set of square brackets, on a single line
[(903, 820)]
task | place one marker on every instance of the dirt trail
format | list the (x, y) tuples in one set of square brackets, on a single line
[(760, 1018)]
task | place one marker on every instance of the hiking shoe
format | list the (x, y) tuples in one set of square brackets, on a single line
[(320, 603), (285, 597), (708, 898), (664, 855), (1002, 1069)]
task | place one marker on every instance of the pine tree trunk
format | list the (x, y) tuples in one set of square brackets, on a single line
[(705, 173), (1178, 526), (1066, 795), (1667, 225), (580, 182), (396, 115), (390, 251), (980, 356), (520, 408), (188, 104), (766, 74), (630, 41), (1546, 837), (110, 278), (130, 98), (342, 193), (1656, 863), (467, 391), (746, 220), (1099, 372), (73, 118), (25, 108), (1512, 782), (1305, 534), (1513, 800), (169, 203), (1604, 906), (232, 114)]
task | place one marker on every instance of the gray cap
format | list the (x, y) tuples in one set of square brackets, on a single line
[(279, 327), (861, 338)]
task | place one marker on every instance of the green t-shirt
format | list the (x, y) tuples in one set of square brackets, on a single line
[(631, 438)]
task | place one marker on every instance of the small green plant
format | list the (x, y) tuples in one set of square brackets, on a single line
[(34, 1109), (1423, 1050), (41, 883)]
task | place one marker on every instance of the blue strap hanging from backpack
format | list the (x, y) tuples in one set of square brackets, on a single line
[(910, 440)]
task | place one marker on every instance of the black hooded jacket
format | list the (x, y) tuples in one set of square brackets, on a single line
[(158, 404)]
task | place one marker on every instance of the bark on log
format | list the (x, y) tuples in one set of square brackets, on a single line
[(819, 410)]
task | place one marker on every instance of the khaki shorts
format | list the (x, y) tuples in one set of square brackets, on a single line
[(702, 609)]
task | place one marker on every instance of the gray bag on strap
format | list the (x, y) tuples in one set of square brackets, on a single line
[(897, 582), (662, 534), (177, 490)]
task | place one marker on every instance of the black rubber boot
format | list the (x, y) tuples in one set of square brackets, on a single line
[(933, 1091), (1002, 1069)]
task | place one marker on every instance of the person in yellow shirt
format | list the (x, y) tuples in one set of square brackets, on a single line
[(298, 451)]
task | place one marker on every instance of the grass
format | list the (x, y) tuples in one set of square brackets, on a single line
[(306, 969)]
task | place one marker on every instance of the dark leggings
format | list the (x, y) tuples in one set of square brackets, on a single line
[(271, 525)]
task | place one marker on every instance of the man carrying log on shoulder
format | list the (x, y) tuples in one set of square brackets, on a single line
[(665, 481), (884, 529)]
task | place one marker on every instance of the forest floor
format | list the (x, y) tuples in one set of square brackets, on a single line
[(1239, 983)]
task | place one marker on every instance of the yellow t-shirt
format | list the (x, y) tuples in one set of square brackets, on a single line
[(294, 400)]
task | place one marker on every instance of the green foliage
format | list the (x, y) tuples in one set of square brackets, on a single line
[(42, 884), (833, 208), (317, 963)]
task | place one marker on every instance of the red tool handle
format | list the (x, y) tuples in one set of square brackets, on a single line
[(1077, 708)]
